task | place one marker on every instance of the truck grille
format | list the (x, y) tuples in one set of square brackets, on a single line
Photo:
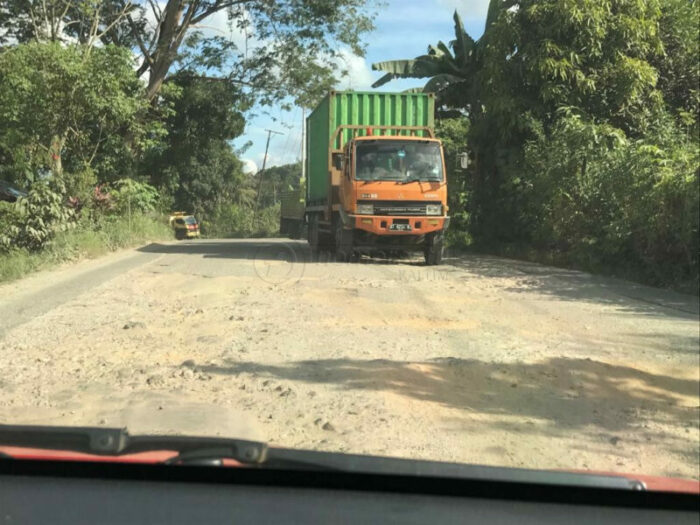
[(398, 207)]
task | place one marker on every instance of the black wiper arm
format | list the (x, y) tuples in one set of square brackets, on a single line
[(198, 450), (117, 442)]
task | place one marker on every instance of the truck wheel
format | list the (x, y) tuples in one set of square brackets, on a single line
[(434, 246), (296, 228), (343, 243), (313, 237)]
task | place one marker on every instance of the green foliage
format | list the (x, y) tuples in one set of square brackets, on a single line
[(34, 220), (240, 219), (289, 48), (678, 66), (87, 240), (451, 69), (234, 220), (68, 108), (608, 202), (276, 180), (196, 164), (131, 196), (453, 133), (592, 55), (81, 184)]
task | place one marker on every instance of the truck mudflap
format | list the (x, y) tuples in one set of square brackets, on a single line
[(383, 225)]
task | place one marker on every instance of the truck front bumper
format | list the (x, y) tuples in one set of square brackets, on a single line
[(386, 225)]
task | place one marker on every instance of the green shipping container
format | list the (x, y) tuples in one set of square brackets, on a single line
[(365, 108)]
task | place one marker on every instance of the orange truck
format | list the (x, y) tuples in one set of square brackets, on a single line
[(375, 178)]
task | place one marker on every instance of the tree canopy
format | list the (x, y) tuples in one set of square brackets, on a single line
[(70, 108), (274, 48)]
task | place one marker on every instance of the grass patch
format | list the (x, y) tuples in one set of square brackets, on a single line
[(85, 241)]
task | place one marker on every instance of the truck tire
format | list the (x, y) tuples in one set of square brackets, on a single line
[(295, 229), (343, 243), (313, 237), (434, 247)]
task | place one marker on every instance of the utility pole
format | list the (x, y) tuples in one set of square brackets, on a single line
[(303, 147), (260, 174)]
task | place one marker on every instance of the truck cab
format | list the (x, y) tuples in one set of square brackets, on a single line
[(393, 195)]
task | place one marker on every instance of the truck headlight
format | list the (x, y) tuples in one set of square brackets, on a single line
[(433, 209), (365, 209)]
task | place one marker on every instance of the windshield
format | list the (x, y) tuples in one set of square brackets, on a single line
[(396, 160), (285, 221)]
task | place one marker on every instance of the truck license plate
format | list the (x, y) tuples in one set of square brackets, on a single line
[(400, 227)]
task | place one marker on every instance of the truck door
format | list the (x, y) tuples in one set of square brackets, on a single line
[(347, 186)]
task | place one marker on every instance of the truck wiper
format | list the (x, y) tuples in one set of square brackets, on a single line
[(418, 179)]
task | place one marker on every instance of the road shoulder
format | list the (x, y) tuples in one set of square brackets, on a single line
[(43, 291)]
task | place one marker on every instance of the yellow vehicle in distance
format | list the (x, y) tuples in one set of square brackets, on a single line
[(185, 226)]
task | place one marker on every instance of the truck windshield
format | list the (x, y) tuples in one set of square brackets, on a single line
[(398, 160)]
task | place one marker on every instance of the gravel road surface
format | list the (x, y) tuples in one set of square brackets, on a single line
[(483, 360)]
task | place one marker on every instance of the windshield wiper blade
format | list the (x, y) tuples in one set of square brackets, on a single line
[(190, 450), (206, 450), (419, 180), (118, 442)]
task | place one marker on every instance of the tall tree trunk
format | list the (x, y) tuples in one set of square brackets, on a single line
[(55, 150), (171, 33)]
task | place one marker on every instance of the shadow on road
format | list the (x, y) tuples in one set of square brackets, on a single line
[(569, 393), (266, 249), (261, 249), (573, 285)]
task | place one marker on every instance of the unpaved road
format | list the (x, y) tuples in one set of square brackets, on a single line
[(482, 360)]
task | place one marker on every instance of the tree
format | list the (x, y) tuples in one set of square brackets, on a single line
[(679, 66), (452, 69), (63, 108), (279, 49), (196, 163), (277, 179)]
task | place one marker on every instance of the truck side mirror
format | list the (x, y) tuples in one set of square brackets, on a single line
[(463, 160), (338, 161)]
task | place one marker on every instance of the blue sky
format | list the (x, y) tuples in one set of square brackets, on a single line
[(404, 28)]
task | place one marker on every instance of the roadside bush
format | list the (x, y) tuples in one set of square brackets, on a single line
[(607, 203), (87, 240), (34, 220), (236, 220), (129, 195), (453, 134)]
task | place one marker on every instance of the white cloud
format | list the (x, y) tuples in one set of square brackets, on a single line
[(249, 166), (261, 159), (216, 24), (468, 10), (359, 75)]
